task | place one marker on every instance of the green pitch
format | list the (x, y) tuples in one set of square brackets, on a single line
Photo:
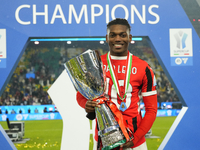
[(160, 128), (47, 134), (43, 134)]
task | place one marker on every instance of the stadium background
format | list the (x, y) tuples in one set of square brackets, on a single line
[(35, 74), (41, 64)]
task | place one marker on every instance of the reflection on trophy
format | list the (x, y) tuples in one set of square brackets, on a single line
[(86, 74)]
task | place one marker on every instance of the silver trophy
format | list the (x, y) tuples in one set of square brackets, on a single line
[(86, 74)]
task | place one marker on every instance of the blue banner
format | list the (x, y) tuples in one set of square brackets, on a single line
[(56, 115), (28, 109), (165, 113), (173, 32), (25, 117)]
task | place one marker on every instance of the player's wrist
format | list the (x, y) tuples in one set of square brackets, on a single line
[(135, 139)]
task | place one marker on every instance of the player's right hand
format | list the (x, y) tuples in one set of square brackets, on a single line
[(90, 106)]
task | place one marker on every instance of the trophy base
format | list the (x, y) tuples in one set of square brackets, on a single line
[(112, 139), (114, 145)]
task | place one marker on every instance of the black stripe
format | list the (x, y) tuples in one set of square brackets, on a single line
[(134, 122), (149, 79), (99, 140)]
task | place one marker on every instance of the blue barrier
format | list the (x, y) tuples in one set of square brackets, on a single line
[(24, 109), (165, 112), (56, 115), (24, 117)]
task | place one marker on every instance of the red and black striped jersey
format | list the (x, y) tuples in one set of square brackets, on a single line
[(142, 81)]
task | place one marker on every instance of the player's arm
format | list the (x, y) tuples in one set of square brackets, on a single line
[(147, 121), (81, 99), (149, 94), (149, 117), (88, 105)]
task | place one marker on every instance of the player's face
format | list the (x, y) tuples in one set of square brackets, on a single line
[(118, 39)]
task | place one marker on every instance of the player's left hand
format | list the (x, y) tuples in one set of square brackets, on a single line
[(127, 145)]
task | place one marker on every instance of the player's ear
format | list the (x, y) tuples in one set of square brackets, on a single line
[(130, 37), (106, 38)]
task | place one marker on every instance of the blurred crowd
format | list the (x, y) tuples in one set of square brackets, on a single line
[(30, 81), (165, 91), (40, 66)]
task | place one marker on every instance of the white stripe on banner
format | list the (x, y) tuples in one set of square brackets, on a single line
[(173, 128), (4, 135)]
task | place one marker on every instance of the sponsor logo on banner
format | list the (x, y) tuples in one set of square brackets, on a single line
[(3, 117), (2, 48), (181, 50), (19, 117), (52, 115), (169, 113)]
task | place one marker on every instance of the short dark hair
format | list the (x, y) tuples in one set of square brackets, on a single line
[(120, 21)]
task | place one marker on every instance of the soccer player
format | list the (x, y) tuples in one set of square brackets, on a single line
[(126, 77)]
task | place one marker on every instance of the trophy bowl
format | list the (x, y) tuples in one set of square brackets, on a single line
[(86, 74)]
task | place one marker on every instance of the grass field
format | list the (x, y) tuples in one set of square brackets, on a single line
[(43, 134), (47, 134), (160, 128)]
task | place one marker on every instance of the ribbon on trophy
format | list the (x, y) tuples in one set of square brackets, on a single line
[(117, 114), (121, 91)]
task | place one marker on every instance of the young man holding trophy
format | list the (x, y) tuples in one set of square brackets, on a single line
[(126, 76)]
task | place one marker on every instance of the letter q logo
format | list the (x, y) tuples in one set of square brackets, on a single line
[(178, 61)]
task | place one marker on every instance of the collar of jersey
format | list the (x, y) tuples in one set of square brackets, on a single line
[(118, 57)]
